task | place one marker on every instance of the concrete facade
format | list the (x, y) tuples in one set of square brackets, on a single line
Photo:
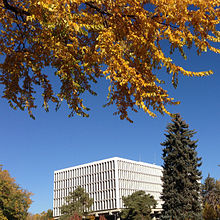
[(107, 181)]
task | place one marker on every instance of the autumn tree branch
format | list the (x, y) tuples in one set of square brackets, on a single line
[(16, 10), (104, 12)]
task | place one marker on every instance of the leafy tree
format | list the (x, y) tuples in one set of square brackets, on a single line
[(181, 187), (138, 206), (86, 40), (42, 216), (209, 213), (33, 216), (49, 213), (14, 201), (77, 203), (211, 198)]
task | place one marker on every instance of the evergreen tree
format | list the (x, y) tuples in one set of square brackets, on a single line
[(78, 204), (208, 185), (181, 186), (138, 206)]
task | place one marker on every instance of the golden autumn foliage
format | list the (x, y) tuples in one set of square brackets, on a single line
[(42, 216), (14, 201), (83, 41), (209, 212), (211, 198)]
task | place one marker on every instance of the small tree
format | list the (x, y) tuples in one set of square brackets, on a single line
[(14, 201), (49, 214), (138, 206), (208, 186), (77, 203), (181, 187)]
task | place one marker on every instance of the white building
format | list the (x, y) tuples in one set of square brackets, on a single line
[(107, 181)]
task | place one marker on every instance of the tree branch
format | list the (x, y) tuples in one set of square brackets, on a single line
[(103, 12), (91, 5), (16, 10)]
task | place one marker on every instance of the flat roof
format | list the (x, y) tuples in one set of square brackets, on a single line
[(110, 159)]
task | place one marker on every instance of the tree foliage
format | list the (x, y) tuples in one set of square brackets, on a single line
[(138, 206), (77, 203), (181, 187), (208, 186), (211, 198), (14, 201), (85, 40), (48, 215)]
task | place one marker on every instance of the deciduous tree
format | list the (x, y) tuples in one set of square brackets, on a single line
[(211, 198), (138, 206), (181, 187), (77, 203), (85, 40), (14, 201), (42, 216)]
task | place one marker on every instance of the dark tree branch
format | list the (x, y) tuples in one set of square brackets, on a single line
[(168, 25), (16, 10), (21, 12), (104, 12)]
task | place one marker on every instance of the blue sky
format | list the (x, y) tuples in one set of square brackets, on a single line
[(32, 149)]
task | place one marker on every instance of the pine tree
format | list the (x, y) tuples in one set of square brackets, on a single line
[(138, 206), (78, 204), (181, 185)]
